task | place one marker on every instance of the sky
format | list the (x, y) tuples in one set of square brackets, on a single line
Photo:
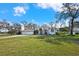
[(38, 13)]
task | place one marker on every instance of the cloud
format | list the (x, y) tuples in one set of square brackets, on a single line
[(54, 6), (19, 10)]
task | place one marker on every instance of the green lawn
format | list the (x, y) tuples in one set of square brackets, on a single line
[(40, 45), (3, 35)]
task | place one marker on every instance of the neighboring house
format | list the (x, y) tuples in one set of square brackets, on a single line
[(44, 29), (16, 27), (4, 30), (76, 27), (28, 29), (4, 27), (47, 29), (25, 30)]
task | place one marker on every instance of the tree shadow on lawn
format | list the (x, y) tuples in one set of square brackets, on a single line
[(48, 38), (58, 39)]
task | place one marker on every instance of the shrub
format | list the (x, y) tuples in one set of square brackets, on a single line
[(12, 32), (35, 32)]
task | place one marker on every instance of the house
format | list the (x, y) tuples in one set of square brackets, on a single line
[(47, 29), (76, 27), (4, 30), (4, 26), (25, 30), (28, 29)]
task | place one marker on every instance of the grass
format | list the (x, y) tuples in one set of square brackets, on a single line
[(56, 45), (3, 35)]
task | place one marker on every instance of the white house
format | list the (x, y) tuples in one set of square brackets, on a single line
[(4, 26), (47, 28), (26, 30), (4, 30), (44, 29)]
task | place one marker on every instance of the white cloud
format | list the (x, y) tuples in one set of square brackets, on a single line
[(54, 6), (19, 10)]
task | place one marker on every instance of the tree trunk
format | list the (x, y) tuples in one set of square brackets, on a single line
[(71, 26)]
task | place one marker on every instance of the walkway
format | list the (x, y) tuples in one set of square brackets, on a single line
[(12, 36)]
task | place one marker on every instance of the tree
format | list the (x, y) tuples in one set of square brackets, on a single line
[(36, 32), (15, 29), (12, 32), (51, 24), (17, 26), (41, 31), (24, 23), (69, 11)]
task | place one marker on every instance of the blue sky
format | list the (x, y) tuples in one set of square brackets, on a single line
[(30, 12)]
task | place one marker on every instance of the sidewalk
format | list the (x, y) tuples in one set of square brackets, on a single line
[(12, 36)]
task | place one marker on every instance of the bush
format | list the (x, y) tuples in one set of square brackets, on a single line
[(18, 32), (64, 29), (12, 32), (57, 33), (35, 32)]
